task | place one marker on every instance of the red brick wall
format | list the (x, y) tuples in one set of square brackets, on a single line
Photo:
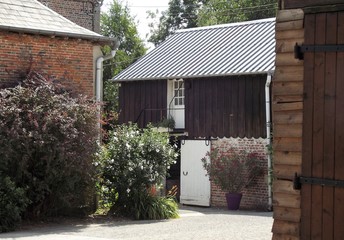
[(255, 197), (85, 13), (67, 60)]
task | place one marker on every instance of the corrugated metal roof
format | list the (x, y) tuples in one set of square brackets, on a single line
[(31, 16), (229, 49)]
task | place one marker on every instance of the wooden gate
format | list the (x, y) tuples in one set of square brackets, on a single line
[(322, 201)]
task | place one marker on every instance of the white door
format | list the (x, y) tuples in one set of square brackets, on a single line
[(194, 184), (175, 101)]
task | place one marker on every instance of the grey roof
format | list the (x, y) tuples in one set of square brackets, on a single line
[(229, 49), (31, 16)]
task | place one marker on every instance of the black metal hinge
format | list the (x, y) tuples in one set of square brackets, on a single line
[(298, 181), (299, 50)]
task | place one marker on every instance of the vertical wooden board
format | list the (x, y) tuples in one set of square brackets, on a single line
[(234, 112), (220, 111), (318, 127), (202, 105), (339, 138), (141, 120), (256, 105), (241, 107), (248, 106), (121, 103), (136, 101), (213, 105), (147, 113), (307, 132), (262, 108), (127, 108), (190, 102), (329, 122), (228, 118), (131, 100)]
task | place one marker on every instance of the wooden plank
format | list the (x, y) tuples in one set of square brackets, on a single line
[(248, 106), (287, 59), (287, 214), (287, 117), (288, 130), (234, 113), (287, 98), (288, 88), (219, 124), (289, 4), (289, 15), (283, 171), (241, 108), (284, 227), (290, 25), (290, 34), (287, 106), (339, 135), (282, 186), (202, 106), (287, 158), (277, 236), (228, 123), (329, 122), (287, 144), (318, 128), (286, 200), (307, 130), (288, 73), (288, 45)]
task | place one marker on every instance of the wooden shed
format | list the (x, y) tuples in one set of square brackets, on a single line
[(308, 119), (212, 82)]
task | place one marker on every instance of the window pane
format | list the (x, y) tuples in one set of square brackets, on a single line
[(176, 101)]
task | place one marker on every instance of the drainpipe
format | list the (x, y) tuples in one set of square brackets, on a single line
[(99, 70), (99, 81), (268, 135)]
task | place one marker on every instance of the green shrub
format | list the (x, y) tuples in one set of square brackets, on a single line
[(134, 160), (151, 207), (47, 144), (13, 202)]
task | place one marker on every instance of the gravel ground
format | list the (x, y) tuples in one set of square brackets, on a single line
[(194, 223)]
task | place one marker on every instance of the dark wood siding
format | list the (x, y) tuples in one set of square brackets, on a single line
[(323, 132), (290, 4), (232, 106), (143, 101)]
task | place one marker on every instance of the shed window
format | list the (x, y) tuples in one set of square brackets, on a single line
[(179, 93)]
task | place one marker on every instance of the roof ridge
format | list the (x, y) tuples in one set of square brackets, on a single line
[(227, 25)]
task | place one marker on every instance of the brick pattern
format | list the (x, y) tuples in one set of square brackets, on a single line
[(255, 197), (67, 60), (85, 13)]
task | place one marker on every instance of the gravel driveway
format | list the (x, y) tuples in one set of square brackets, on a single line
[(194, 223)]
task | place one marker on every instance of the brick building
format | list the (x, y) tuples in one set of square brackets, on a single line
[(32, 36), (85, 13)]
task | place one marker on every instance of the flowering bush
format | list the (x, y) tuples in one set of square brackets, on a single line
[(47, 144), (234, 170), (133, 160)]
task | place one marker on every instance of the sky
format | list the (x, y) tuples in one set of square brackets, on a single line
[(138, 9)]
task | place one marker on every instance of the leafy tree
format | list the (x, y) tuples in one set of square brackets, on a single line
[(220, 12), (119, 23), (195, 13), (180, 14)]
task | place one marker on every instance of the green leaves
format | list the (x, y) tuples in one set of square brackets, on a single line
[(47, 144), (133, 161)]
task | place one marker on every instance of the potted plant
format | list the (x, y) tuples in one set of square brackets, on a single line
[(165, 125), (232, 171)]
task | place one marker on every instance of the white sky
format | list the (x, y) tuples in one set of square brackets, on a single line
[(138, 9)]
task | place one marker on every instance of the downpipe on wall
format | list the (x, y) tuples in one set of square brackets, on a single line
[(268, 135), (99, 76)]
